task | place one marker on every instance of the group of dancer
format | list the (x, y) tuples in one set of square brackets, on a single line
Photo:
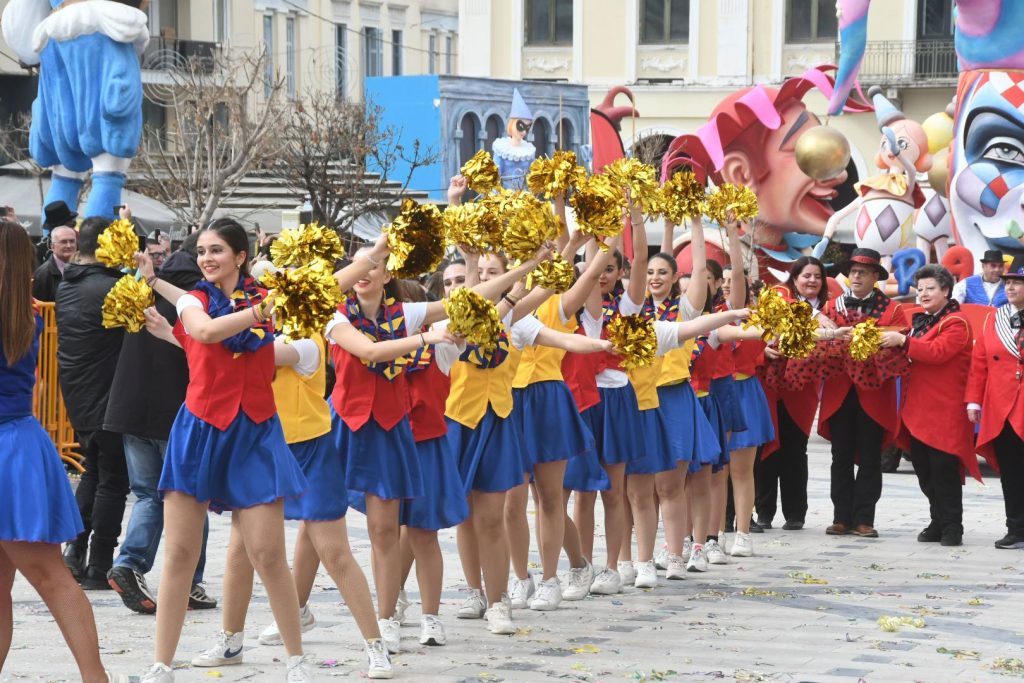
[(423, 431)]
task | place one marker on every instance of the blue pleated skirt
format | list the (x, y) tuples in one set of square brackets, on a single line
[(724, 389), (658, 453), (490, 457), (616, 424), (719, 457), (756, 413), (552, 427), (690, 435), (321, 461), (37, 504), (245, 465), (380, 462), (585, 473)]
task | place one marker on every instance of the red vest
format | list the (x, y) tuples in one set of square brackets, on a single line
[(580, 373), (360, 393), (428, 391), (748, 356), (994, 384), (703, 369), (222, 383)]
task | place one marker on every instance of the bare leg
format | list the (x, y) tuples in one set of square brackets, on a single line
[(183, 537), (238, 578), (670, 487), (645, 516), (305, 564), (429, 567), (469, 552), (6, 606), (489, 523), (549, 477), (742, 472), (407, 556), (700, 503), (382, 524), (614, 501), (42, 565), (262, 531), (719, 500), (626, 548), (583, 517), (330, 539), (518, 529), (571, 537)]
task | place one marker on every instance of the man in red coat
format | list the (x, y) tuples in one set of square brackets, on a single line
[(939, 348), (995, 384), (859, 422)]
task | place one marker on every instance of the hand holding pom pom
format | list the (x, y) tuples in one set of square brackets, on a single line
[(125, 304), (555, 274), (295, 247), (474, 318), (682, 197), (416, 239), (117, 245), (640, 180), (305, 298), (730, 203), (634, 338), (598, 204), (865, 340), (481, 173)]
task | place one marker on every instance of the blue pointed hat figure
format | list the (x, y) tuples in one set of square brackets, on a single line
[(886, 114), (519, 108)]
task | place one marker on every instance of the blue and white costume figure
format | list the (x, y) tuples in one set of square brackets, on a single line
[(87, 115), (513, 154)]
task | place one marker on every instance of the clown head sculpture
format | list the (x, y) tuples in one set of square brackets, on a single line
[(513, 154)]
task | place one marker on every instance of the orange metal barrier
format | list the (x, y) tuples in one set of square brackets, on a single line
[(47, 401)]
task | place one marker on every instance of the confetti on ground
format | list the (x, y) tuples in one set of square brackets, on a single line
[(975, 602), (893, 624), (742, 675), (752, 592), (804, 577), (1008, 665), (930, 575), (641, 676), (587, 649), (958, 653), (875, 567), (214, 674)]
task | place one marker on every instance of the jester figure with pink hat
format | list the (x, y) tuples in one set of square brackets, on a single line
[(513, 154)]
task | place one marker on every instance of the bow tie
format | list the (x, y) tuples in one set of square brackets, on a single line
[(921, 320), (852, 302), (1017, 320)]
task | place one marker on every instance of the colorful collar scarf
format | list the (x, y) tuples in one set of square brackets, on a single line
[(389, 325), (246, 295), (667, 310)]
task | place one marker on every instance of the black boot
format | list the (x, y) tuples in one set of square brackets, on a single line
[(930, 534), (74, 560)]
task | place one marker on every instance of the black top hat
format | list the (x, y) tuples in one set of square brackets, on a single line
[(865, 257), (57, 214), (1014, 273), (992, 256)]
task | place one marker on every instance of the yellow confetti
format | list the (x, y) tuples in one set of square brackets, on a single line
[(804, 577), (893, 624), (958, 653), (587, 649), (752, 592)]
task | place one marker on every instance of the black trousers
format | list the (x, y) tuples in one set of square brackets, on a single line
[(101, 495), (938, 473), (856, 443), (1010, 455), (786, 468)]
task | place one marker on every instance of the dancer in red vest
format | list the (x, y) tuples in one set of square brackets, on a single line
[(859, 422), (939, 348), (995, 399)]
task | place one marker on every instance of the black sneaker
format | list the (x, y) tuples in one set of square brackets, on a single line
[(930, 534), (952, 537), (1010, 542), (198, 599), (760, 525), (95, 579), (793, 525), (74, 560), (131, 586)]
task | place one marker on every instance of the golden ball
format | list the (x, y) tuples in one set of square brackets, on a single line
[(822, 153), (938, 176), (939, 129)]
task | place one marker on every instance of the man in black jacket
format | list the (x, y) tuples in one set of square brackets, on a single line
[(143, 412), (46, 279), (87, 356)]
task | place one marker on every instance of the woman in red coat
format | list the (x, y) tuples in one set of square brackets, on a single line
[(994, 398), (939, 348)]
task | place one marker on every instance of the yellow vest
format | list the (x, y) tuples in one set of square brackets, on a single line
[(543, 363), (645, 384), (675, 366), (474, 388), (300, 400)]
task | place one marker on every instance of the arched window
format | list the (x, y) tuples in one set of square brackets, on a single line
[(470, 128), (495, 129), (542, 137), (565, 135)]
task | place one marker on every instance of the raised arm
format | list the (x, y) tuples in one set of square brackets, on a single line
[(666, 237), (738, 281), (362, 264), (206, 330), (697, 292), (638, 268), (161, 287), (706, 323), (563, 232), (577, 295), (362, 347)]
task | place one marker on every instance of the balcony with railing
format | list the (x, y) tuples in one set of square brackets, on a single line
[(167, 53), (903, 63)]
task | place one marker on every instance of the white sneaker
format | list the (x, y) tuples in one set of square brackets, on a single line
[(676, 569), (111, 678), (300, 669), (580, 580), (607, 582), (159, 673), (522, 591), (646, 575), (697, 562), (400, 607), (391, 634), (687, 548), (272, 636), (499, 618), (473, 607), (627, 572), (548, 597), (226, 652), (714, 553), (661, 559), (432, 631), (742, 545), (378, 664)]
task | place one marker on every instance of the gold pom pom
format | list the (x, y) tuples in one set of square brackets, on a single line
[(682, 197), (297, 246), (865, 340), (527, 222), (126, 302), (552, 177), (634, 338), (482, 173), (117, 245), (598, 205), (641, 180), (305, 298), (473, 317), (555, 274), (416, 239), (791, 325), (474, 225), (739, 203)]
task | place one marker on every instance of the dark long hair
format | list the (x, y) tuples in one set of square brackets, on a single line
[(229, 230), (17, 320), (673, 266), (797, 268)]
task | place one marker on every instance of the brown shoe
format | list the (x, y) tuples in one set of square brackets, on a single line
[(838, 529), (865, 531)]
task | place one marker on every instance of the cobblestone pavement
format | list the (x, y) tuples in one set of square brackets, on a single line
[(805, 608)]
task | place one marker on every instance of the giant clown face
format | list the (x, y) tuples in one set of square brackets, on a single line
[(986, 190)]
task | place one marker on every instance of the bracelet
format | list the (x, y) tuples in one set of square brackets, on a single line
[(423, 340), (255, 314), (151, 279), (511, 302)]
